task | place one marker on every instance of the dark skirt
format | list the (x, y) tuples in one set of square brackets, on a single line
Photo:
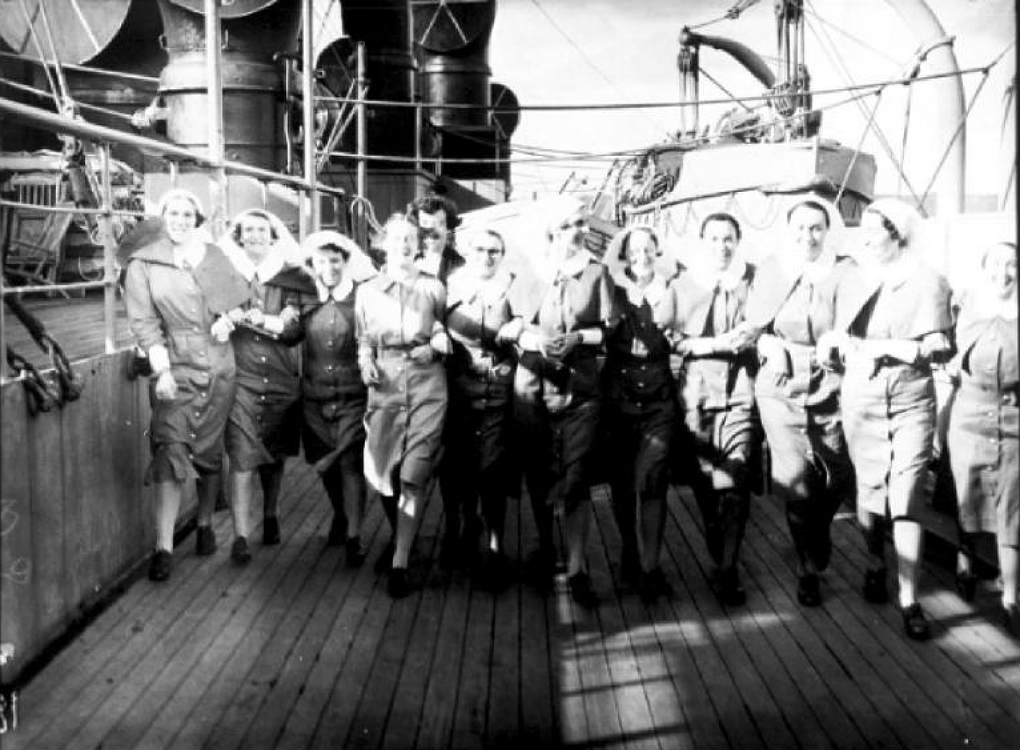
[(186, 434), (332, 428), (263, 428)]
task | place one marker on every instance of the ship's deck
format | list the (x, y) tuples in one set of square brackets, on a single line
[(295, 650)]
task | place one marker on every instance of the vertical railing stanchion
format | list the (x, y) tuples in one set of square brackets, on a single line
[(110, 283), (362, 144), (309, 221), (217, 149)]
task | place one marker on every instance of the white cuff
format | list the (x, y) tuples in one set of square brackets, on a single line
[(529, 341), (591, 336), (273, 324), (159, 358)]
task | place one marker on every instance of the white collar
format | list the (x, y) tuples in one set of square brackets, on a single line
[(811, 271), (893, 274), (653, 292), (191, 253), (464, 285), (983, 305), (267, 269), (339, 293), (728, 279), (429, 263)]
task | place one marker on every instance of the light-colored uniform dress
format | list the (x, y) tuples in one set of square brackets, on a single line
[(265, 422), (717, 391), (639, 402), (480, 374), (889, 406), (333, 394), (405, 413), (557, 400), (798, 397), (173, 304), (984, 452)]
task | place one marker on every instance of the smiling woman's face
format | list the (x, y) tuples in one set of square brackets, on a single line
[(641, 253), (807, 228), (401, 245), (1000, 269), (179, 218)]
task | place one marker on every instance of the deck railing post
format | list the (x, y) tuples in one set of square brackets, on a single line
[(109, 280), (310, 217), (362, 142)]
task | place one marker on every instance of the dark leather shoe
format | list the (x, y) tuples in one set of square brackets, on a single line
[(728, 588), (581, 590), (809, 592), (354, 554), (160, 565), (398, 585), (630, 566), (271, 530), (914, 623), (205, 541), (874, 586), (966, 585), (653, 585), (1011, 620), (240, 553), (384, 562), (337, 531)]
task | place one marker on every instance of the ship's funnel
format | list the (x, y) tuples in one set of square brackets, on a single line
[(253, 32), (453, 40), (385, 28)]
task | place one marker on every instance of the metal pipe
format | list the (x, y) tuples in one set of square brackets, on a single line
[(109, 293), (310, 216), (214, 115), (744, 55), (947, 98), (362, 132), (90, 131), (71, 209), (82, 68), (73, 286)]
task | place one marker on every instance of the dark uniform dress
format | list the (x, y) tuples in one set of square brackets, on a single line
[(557, 400), (639, 411), (333, 395), (717, 394), (480, 377), (406, 410), (265, 422), (889, 406), (984, 452), (798, 398), (172, 305)]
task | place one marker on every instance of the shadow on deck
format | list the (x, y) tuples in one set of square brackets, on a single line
[(295, 650)]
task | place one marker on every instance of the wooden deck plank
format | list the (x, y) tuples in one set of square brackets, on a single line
[(409, 693), (230, 683), (542, 660), (631, 682), (851, 657), (311, 654), (473, 682), (276, 597), (145, 690), (753, 689), (502, 723), (139, 622), (314, 701), (748, 625), (402, 641)]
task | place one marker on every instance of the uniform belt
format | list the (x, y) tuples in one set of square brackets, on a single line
[(394, 352), (1010, 395)]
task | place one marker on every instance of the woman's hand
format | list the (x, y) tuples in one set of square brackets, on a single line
[(236, 315), (369, 372), (510, 332), (166, 386), (221, 329), (256, 317), (423, 354), (561, 345)]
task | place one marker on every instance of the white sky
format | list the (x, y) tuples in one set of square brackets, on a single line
[(613, 51)]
